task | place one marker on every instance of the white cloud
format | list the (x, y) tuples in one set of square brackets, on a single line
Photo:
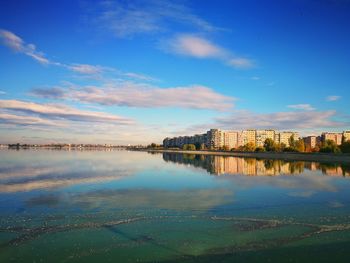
[(241, 63), (86, 69), (2, 92), (6, 118), (200, 47), (15, 43), (144, 96), (333, 98), (194, 46), (305, 107)]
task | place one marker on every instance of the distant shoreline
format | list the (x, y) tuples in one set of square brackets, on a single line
[(288, 156)]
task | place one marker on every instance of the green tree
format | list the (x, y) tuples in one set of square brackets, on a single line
[(291, 141), (345, 147), (249, 147), (269, 145), (189, 147), (198, 145), (329, 146)]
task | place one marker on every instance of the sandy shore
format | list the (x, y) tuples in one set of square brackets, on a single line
[(290, 156)]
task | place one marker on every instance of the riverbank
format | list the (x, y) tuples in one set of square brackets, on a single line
[(288, 156)]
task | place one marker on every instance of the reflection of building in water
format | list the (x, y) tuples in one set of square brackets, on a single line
[(220, 165)]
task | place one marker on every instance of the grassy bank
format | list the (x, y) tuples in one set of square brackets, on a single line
[(289, 156)]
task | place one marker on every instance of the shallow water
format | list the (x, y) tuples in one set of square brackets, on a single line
[(121, 206)]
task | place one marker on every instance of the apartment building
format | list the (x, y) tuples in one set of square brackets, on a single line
[(248, 136), (346, 136), (262, 135), (230, 139), (310, 142), (284, 137), (333, 136)]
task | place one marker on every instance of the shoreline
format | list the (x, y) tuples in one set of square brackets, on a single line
[(288, 156)]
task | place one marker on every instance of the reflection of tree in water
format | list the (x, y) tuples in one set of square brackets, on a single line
[(297, 167), (254, 166)]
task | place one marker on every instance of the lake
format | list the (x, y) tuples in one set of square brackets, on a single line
[(129, 206)]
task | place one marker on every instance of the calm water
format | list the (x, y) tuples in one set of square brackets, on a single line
[(120, 206)]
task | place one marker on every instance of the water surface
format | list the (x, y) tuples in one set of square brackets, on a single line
[(121, 206)]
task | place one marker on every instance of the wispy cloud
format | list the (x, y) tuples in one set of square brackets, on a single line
[(145, 96), (282, 120), (305, 107), (298, 120), (15, 43), (126, 19), (333, 98), (53, 112), (48, 93), (200, 47), (2, 92), (86, 69)]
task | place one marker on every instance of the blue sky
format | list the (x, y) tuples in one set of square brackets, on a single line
[(137, 71)]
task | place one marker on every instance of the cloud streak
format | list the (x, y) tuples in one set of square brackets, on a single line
[(199, 47), (143, 96), (127, 19), (34, 113), (16, 44), (333, 98), (281, 120), (296, 120), (305, 107)]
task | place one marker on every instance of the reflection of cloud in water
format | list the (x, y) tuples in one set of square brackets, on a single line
[(302, 194), (55, 183), (28, 172), (24, 171), (306, 184), (189, 199), (43, 200), (335, 204)]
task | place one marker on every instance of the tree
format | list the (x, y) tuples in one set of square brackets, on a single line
[(279, 147), (249, 147), (225, 148), (329, 146), (291, 141), (345, 147), (299, 146), (269, 145), (260, 149), (189, 147), (198, 145)]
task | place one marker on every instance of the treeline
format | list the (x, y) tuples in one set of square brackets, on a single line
[(329, 146), (270, 145)]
